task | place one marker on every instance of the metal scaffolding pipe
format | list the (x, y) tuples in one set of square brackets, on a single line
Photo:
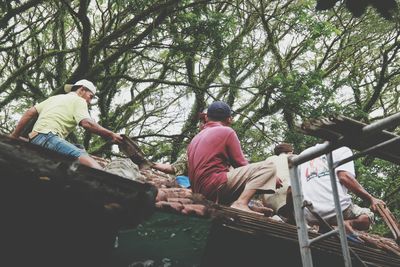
[(382, 124), (323, 236), (339, 214), (302, 230), (327, 148), (314, 152), (366, 151)]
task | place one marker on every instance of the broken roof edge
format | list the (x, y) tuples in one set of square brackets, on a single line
[(131, 200), (357, 135)]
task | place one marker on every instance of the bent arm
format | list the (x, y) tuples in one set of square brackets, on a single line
[(164, 167), (235, 152), (28, 115), (350, 182), (96, 128)]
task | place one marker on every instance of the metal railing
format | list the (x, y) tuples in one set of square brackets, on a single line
[(297, 194)]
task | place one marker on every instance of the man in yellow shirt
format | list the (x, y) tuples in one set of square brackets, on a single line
[(58, 116)]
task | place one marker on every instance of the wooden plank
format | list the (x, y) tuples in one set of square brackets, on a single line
[(390, 221)]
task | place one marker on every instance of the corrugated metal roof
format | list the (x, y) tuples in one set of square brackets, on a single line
[(379, 251)]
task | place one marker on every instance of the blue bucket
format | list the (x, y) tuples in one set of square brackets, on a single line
[(183, 181)]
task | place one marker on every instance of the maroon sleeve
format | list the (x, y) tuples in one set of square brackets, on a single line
[(235, 152)]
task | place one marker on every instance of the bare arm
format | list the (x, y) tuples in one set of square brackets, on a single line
[(349, 181), (28, 115), (235, 152), (164, 167), (96, 128)]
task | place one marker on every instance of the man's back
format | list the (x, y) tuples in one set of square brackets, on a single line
[(210, 155), (60, 114), (213, 152), (316, 184)]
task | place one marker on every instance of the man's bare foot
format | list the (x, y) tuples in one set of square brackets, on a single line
[(256, 205), (243, 207), (347, 227), (264, 210)]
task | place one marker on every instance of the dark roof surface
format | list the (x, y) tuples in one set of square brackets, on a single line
[(129, 201), (376, 251), (55, 212)]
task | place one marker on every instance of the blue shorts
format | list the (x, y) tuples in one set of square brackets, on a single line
[(54, 142)]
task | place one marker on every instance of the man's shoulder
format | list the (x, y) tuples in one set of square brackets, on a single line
[(219, 132), (344, 150), (342, 153), (75, 99), (222, 129), (226, 129), (48, 101), (215, 132), (72, 95), (62, 97)]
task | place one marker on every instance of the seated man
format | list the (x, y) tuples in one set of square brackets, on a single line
[(178, 168), (283, 148), (278, 201), (213, 152), (317, 189)]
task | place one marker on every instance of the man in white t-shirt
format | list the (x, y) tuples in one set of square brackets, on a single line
[(317, 189)]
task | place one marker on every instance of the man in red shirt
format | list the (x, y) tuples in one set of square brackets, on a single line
[(211, 155)]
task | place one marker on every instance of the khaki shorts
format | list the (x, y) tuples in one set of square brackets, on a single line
[(259, 176), (352, 212), (278, 200)]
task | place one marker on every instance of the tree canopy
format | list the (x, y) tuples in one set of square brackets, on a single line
[(157, 64)]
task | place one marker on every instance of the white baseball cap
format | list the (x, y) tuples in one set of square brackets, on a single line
[(85, 83)]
